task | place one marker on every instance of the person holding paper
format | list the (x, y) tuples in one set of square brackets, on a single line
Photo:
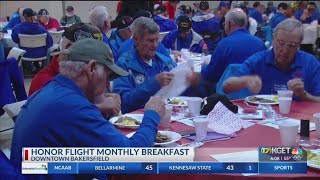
[(283, 67), (62, 113), (148, 69)]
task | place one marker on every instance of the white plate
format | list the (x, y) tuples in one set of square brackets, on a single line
[(183, 103), (270, 97), (312, 163), (173, 135), (138, 117)]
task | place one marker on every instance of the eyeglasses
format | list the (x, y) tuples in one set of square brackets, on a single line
[(290, 45)]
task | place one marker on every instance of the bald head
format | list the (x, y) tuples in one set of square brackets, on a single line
[(237, 17)]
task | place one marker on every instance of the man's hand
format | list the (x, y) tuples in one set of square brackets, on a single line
[(193, 79), (253, 83), (109, 104), (164, 78), (297, 86), (156, 104)]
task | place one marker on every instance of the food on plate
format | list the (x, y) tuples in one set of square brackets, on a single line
[(313, 156), (161, 138), (262, 100), (127, 121), (175, 101), (275, 99)]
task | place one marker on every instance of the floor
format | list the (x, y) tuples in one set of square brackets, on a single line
[(5, 123)]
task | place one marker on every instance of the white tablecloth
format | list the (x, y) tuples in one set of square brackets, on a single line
[(7, 41), (309, 34)]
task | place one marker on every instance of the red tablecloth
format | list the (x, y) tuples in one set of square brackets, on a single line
[(250, 138)]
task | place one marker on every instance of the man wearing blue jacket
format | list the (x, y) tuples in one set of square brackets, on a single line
[(183, 37), (31, 28), (279, 16), (62, 113), (129, 43), (255, 12), (234, 49), (207, 25), (163, 21), (119, 35), (148, 69), (283, 67)]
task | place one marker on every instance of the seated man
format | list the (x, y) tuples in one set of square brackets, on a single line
[(70, 18), (119, 35), (207, 25), (255, 12), (14, 21), (183, 37), (279, 16), (49, 23), (71, 119), (129, 43), (232, 50), (307, 14), (283, 67), (28, 26), (148, 69), (163, 21)]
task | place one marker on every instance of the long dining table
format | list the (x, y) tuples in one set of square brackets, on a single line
[(250, 138)]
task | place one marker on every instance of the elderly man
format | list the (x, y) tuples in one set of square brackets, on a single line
[(49, 23), (207, 25), (283, 67), (183, 37), (62, 113), (231, 49), (70, 18), (279, 16), (99, 17), (28, 26), (129, 43), (121, 34), (161, 18), (148, 69)]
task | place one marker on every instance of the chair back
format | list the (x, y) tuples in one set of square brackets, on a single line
[(13, 109), (56, 36), (32, 41), (162, 34), (16, 53)]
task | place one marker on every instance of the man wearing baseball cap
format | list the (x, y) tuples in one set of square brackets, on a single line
[(62, 113), (70, 18), (161, 18), (206, 24), (28, 26), (119, 35), (49, 23), (183, 37)]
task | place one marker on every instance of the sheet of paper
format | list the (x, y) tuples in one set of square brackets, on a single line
[(296, 121)]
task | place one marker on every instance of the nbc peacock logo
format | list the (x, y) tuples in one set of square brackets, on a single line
[(297, 153)]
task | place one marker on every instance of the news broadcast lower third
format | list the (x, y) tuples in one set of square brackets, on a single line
[(269, 160)]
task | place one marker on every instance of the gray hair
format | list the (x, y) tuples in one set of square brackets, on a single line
[(237, 16), (289, 25), (142, 25), (98, 15), (73, 69)]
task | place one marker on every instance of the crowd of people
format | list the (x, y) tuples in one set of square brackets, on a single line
[(73, 93)]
